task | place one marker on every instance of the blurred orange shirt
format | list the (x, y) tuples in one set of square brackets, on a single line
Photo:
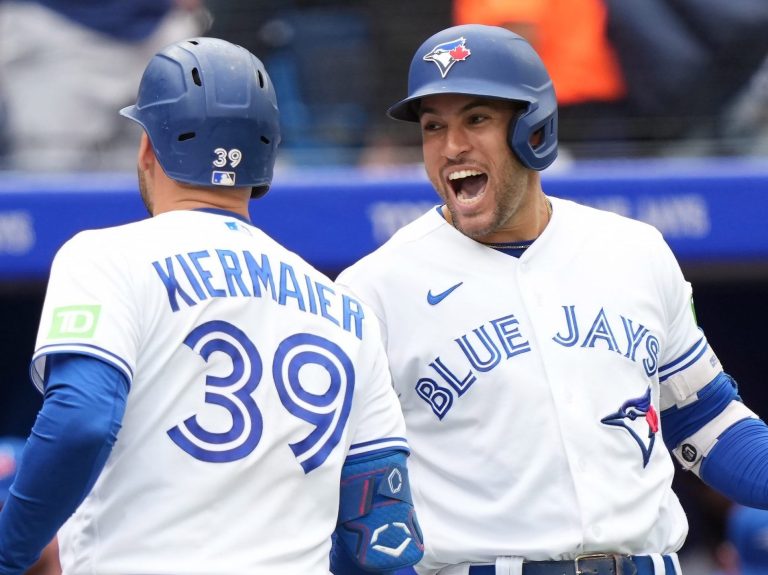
[(569, 35)]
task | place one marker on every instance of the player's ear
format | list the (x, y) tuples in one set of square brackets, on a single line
[(147, 157)]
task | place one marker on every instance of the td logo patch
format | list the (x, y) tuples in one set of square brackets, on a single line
[(74, 321)]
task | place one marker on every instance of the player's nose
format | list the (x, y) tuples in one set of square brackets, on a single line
[(455, 142)]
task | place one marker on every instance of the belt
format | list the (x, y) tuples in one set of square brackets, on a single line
[(592, 564)]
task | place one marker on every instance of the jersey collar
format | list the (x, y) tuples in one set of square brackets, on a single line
[(221, 212)]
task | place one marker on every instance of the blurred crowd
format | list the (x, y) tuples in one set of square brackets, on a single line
[(67, 66), (652, 78)]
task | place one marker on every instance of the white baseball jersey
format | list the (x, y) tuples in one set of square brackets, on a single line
[(252, 377), (531, 387)]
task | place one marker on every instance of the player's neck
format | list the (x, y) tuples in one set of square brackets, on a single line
[(525, 225), (192, 198)]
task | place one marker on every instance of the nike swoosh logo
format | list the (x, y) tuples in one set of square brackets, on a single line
[(437, 298)]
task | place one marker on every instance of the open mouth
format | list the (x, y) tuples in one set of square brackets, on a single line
[(468, 185)]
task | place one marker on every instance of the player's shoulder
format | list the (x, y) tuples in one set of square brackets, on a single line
[(280, 255), (600, 222), (120, 244), (413, 232), (98, 240), (388, 256)]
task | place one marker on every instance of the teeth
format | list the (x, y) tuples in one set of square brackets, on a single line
[(463, 174)]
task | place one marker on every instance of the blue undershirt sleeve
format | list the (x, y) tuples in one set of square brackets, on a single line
[(83, 407), (737, 466)]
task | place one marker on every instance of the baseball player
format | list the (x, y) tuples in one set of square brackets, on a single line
[(213, 405), (546, 354)]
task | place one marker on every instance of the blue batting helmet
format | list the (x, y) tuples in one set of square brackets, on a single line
[(489, 62), (210, 111)]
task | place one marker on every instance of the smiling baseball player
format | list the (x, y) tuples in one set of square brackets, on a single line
[(543, 352), (213, 404)]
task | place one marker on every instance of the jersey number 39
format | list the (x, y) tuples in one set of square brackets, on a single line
[(327, 412)]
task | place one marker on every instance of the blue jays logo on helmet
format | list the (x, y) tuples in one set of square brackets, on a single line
[(445, 55), (639, 418)]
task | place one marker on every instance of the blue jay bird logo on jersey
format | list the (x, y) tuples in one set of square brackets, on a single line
[(445, 55), (639, 418)]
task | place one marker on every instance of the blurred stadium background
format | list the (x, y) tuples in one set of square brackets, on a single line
[(348, 177)]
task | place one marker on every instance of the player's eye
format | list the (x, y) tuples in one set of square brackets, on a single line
[(429, 126), (475, 119)]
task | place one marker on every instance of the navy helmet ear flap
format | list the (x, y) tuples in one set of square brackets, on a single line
[(488, 62), (533, 137), (259, 191)]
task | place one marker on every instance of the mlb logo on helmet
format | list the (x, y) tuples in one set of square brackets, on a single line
[(223, 178), (445, 55)]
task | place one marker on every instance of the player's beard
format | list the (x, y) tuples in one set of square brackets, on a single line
[(144, 191), (511, 191)]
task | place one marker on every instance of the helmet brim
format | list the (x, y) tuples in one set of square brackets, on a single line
[(408, 108)]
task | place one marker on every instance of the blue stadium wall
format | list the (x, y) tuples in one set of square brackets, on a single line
[(713, 213)]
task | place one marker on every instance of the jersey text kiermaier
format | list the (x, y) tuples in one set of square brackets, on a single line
[(247, 275)]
